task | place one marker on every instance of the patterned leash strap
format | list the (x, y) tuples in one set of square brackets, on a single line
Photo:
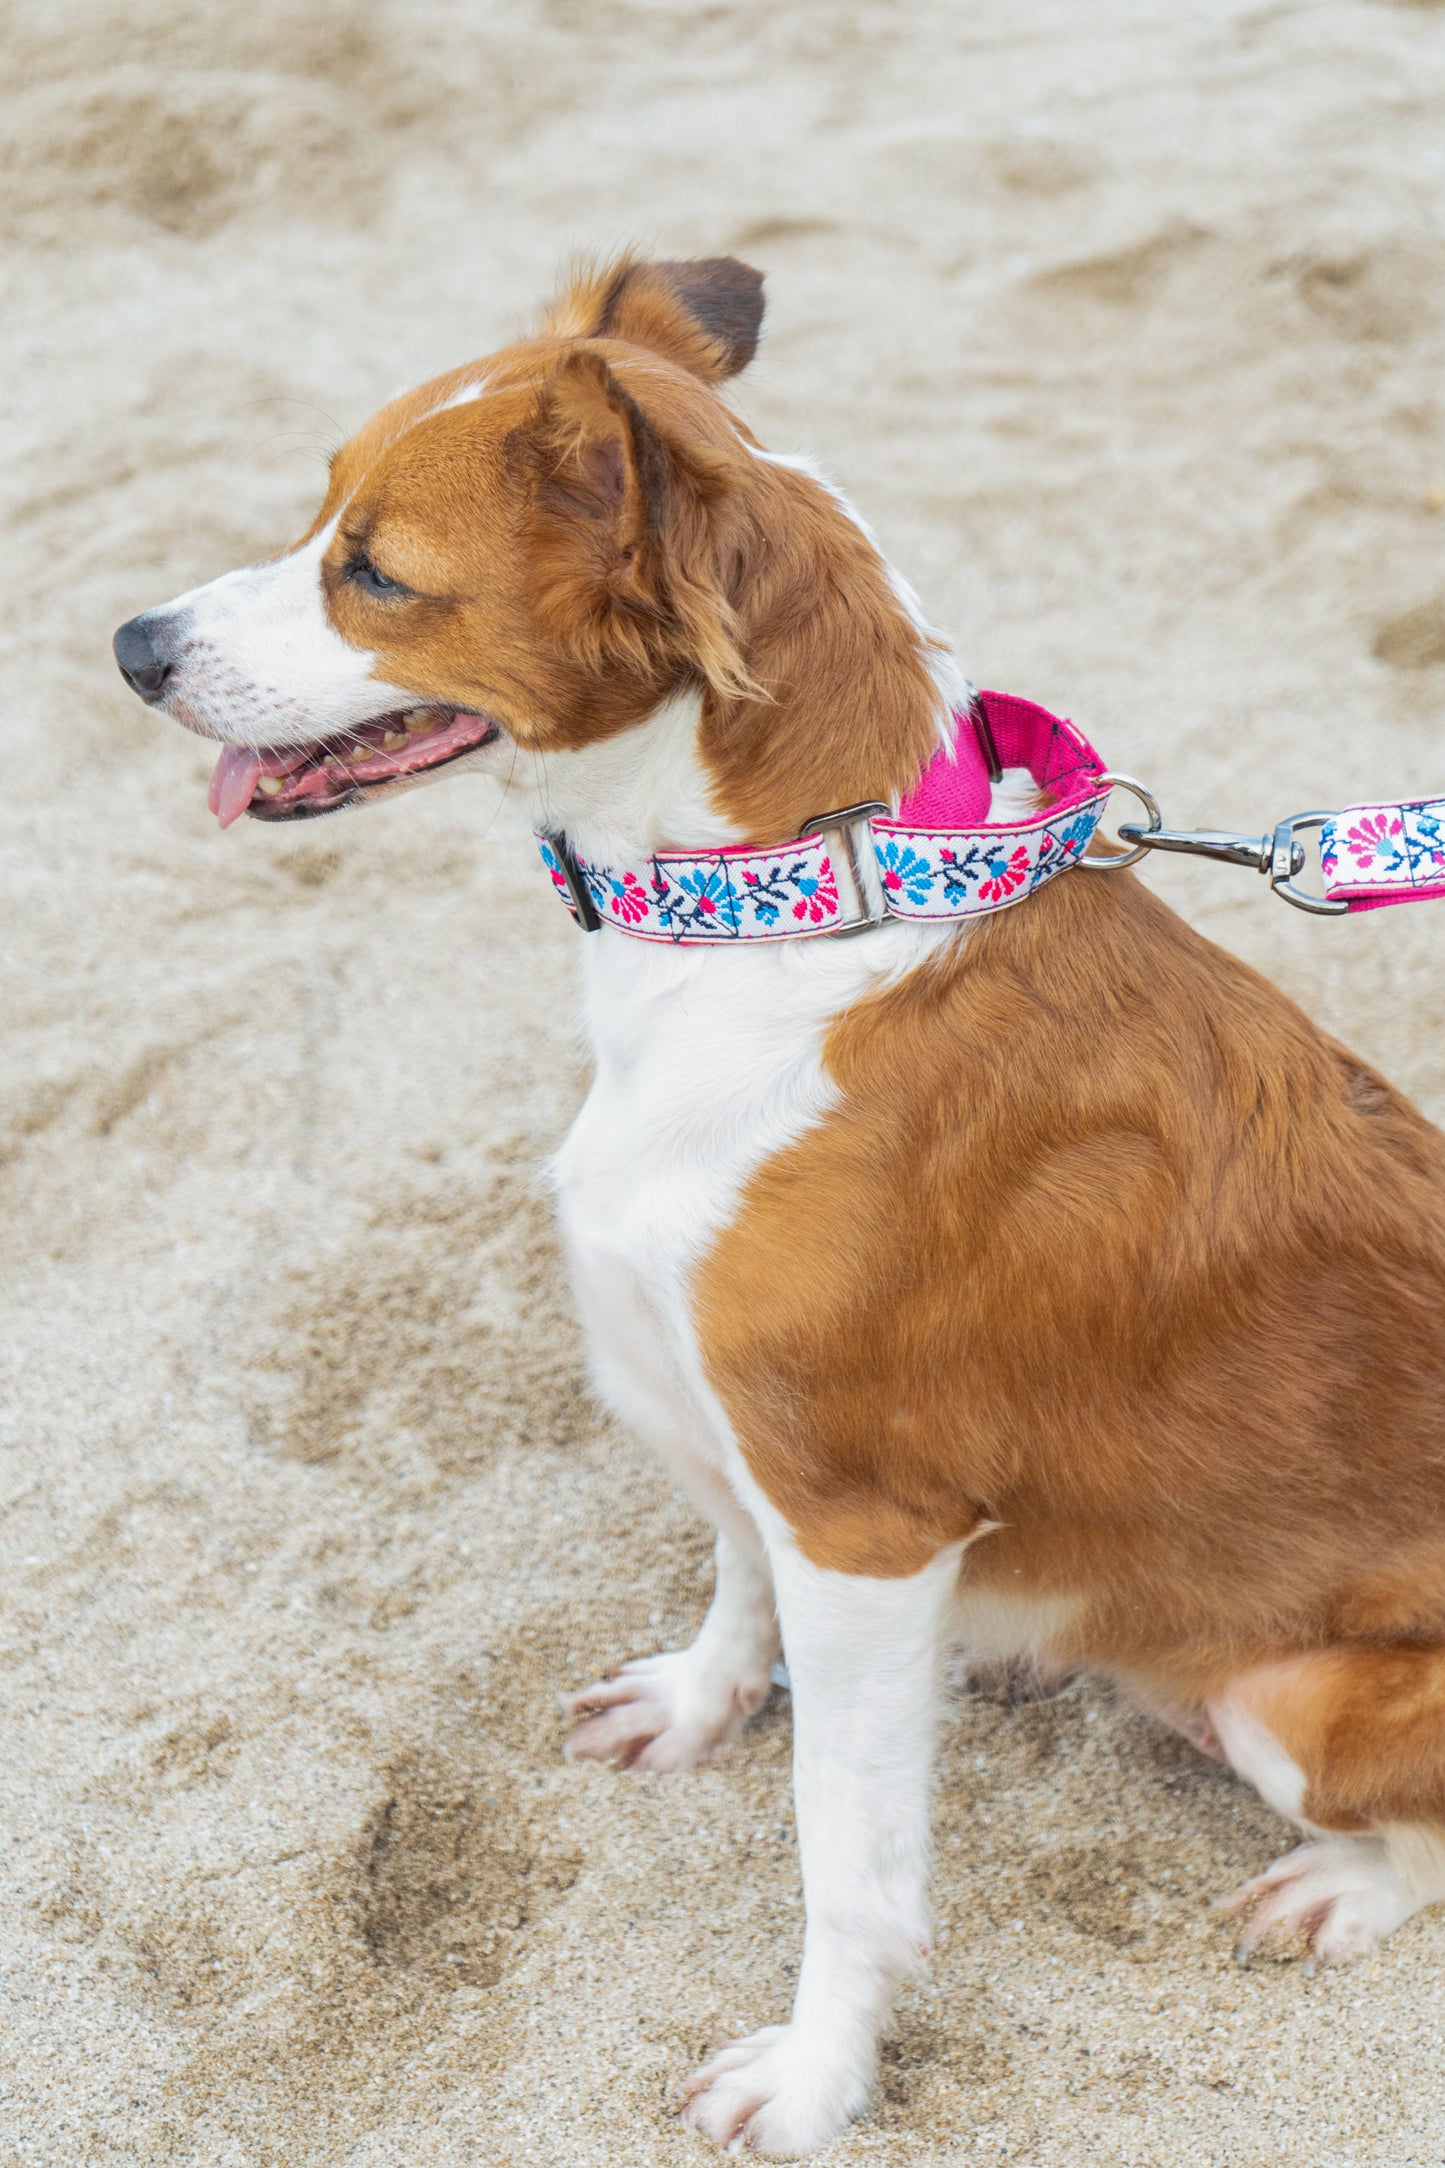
[(1377, 854), (1370, 855)]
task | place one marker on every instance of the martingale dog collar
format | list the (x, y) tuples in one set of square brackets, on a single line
[(938, 857)]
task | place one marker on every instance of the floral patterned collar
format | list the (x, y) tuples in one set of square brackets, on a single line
[(938, 857)]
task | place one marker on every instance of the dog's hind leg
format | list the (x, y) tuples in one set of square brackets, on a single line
[(865, 1658), (1350, 1744)]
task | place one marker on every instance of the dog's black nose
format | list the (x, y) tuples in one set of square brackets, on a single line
[(140, 661)]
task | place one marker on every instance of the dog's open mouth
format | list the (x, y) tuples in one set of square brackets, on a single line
[(294, 782)]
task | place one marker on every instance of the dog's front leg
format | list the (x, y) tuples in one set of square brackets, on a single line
[(674, 1710), (864, 1661)]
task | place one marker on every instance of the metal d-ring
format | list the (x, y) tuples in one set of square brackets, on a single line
[(1150, 804)]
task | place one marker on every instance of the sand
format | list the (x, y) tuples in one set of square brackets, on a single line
[(1123, 323)]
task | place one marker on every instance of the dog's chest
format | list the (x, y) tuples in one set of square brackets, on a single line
[(706, 1065)]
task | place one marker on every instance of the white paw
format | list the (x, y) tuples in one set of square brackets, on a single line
[(664, 1712), (775, 2094), (1338, 1898)]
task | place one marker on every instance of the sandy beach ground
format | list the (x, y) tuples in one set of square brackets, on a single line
[(1124, 325)]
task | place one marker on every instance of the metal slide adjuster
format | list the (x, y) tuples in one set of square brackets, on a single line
[(855, 867), (583, 909)]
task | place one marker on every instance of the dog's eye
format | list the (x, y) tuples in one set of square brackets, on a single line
[(363, 573)]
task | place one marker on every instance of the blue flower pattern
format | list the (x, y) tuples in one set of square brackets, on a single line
[(1425, 840), (698, 901), (905, 871), (937, 875)]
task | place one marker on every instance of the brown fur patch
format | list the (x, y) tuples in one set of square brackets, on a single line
[(593, 531), (704, 314), (1102, 1244), (1364, 1725)]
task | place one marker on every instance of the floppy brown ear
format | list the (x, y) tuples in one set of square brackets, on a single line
[(627, 546), (704, 313), (601, 462)]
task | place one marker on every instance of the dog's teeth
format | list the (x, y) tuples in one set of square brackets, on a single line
[(273, 785), (421, 723), (393, 740)]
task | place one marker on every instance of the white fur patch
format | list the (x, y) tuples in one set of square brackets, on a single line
[(637, 792), (863, 1656), (464, 395), (1342, 1895), (707, 1063), (1252, 1748), (1014, 797), (991, 1626), (256, 660)]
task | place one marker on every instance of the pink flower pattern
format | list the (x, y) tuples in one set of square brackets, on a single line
[(1005, 875), (629, 900), (1392, 852), (1377, 841), (818, 898)]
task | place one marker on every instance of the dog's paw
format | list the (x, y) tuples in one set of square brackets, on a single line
[(666, 1713), (774, 2093), (1331, 1900)]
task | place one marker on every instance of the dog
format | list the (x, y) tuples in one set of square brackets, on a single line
[(1040, 1283)]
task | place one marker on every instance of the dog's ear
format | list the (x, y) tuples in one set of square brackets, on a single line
[(601, 466), (704, 313), (627, 537)]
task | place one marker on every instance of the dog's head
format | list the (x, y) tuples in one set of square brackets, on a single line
[(530, 555)]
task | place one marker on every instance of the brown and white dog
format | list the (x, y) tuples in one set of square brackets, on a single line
[(1046, 1285)]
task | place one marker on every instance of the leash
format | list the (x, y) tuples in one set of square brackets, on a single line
[(939, 857), (1370, 855)]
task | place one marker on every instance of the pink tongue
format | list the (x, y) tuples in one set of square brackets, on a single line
[(233, 783)]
